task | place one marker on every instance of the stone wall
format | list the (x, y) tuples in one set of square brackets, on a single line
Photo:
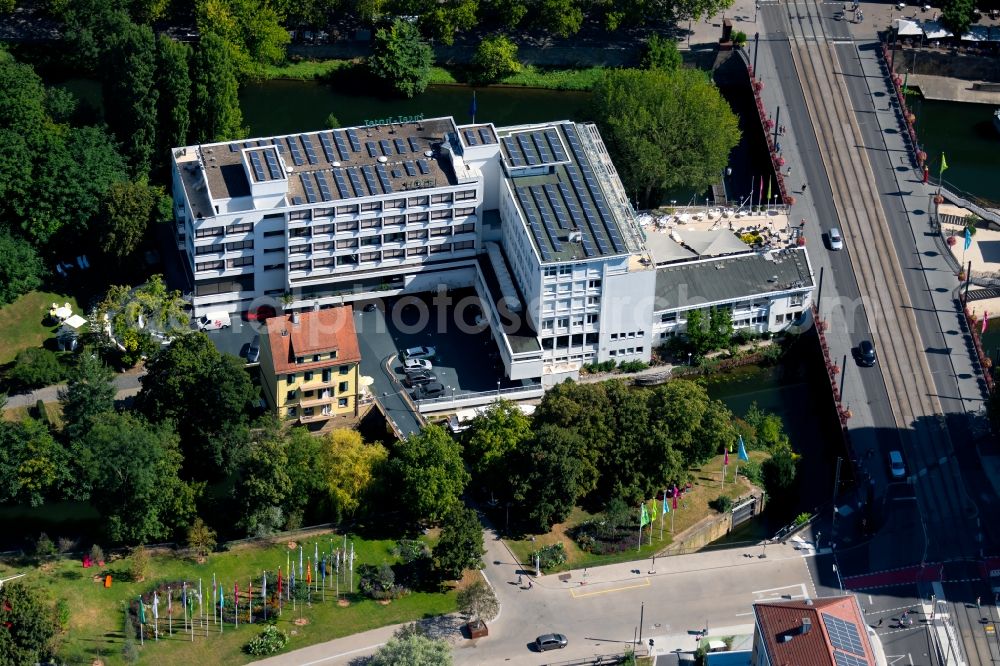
[(937, 62), (708, 530)]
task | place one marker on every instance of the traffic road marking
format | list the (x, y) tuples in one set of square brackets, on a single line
[(645, 583)]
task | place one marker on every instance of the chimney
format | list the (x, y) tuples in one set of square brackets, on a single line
[(295, 318), (806, 627)]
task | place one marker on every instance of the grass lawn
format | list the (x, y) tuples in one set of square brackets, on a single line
[(52, 409), (694, 507), (24, 323), (96, 620)]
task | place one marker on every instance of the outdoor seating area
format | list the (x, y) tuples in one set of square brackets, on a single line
[(979, 39), (692, 228)]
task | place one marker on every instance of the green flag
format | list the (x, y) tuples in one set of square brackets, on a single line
[(944, 163), (769, 190), (644, 516), (653, 513), (142, 612), (906, 80)]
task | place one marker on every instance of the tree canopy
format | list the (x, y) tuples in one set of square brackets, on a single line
[(431, 475), (29, 627), (89, 392), (665, 129), (413, 648), (496, 58), (215, 114), (351, 468), (460, 546), (32, 464), (401, 58), (21, 269), (492, 438)]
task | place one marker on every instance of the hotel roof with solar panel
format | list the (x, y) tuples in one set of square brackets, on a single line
[(563, 194)]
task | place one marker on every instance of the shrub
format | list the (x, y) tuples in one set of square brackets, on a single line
[(550, 556), (739, 38), (65, 545), (410, 550), (802, 519), (44, 548), (496, 58), (41, 413), (268, 642), (36, 367), (379, 582), (632, 366), (722, 503), (751, 470), (96, 554), (139, 565)]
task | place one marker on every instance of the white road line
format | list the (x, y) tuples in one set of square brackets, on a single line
[(342, 654), (775, 589)]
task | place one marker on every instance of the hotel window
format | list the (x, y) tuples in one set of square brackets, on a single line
[(440, 231), (210, 266), (299, 249), (211, 231), (417, 252), (593, 300), (371, 223), (417, 201), (668, 317), (347, 244), (550, 271), (273, 267), (291, 411), (562, 322), (796, 300), (461, 212), (396, 237), (320, 247), (392, 254), (342, 402), (209, 249), (417, 217), (417, 235), (323, 212), (465, 195), (464, 245), (323, 229), (323, 263), (347, 210), (592, 319), (370, 206), (240, 245), (346, 226), (307, 376), (594, 284), (342, 387), (291, 378), (441, 198), (298, 265), (441, 215), (369, 256), (344, 369), (348, 260), (301, 232), (239, 228), (393, 220), (437, 249), (240, 261), (298, 215), (547, 325), (370, 240), (290, 395), (464, 228), (393, 203)]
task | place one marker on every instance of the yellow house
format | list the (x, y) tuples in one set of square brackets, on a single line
[(309, 365)]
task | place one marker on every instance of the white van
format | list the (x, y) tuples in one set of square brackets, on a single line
[(213, 321)]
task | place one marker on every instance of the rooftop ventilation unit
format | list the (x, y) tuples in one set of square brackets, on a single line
[(428, 153), (575, 237), (295, 318), (336, 164), (382, 159)]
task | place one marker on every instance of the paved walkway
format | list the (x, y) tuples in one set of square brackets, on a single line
[(127, 385)]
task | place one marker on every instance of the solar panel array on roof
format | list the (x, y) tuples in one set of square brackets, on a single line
[(258, 168), (280, 144), (272, 164), (543, 151), (233, 148), (843, 634), (385, 146), (470, 137), (342, 186), (310, 153), (352, 173), (396, 173), (400, 146), (410, 169), (414, 146), (345, 154), (331, 155), (844, 659), (556, 196), (293, 145), (384, 178), (307, 185), (372, 148), (547, 221), (486, 136), (369, 174), (297, 201), (425, 168), (355, 143), (524, 143), (594, 189), (533, 224), (324, 187), (513, 152)]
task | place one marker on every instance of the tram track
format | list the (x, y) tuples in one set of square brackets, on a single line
[(915, 407)]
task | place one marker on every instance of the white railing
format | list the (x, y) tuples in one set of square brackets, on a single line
[(462, 400)]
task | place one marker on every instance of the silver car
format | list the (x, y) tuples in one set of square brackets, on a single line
[(836, 240), (547, 642)]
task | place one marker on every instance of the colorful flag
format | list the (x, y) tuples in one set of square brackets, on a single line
[(643, 516), (769, 189), (726, 460), (760, 195), (309, 573), (968, 238), (655, 510), (666, 505), (986, 319), (279, 581), (156, 605), (263, 586), (222, 599), (675, 502), (300, 561), (170, 605), (944, 163), (743, 450), (142, 612)]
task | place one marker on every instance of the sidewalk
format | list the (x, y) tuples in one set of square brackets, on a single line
[(127, 385)]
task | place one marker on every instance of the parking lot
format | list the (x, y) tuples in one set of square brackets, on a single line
[(236, 339)]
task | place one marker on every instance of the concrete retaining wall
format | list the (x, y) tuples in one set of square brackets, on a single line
[(708, 530)]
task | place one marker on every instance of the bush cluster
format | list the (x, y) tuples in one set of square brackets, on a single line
[(270, 641), (379, 582), (550, 556)]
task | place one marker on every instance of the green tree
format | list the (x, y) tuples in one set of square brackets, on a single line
[(36, 366), (89, 392), (505, 13), (697, 332), (351, 468), (173, 79), (546, 480), (60, 104), (661, 53), (720, 327), (128, 212), (306, 475), (478, 601), (623, 467), (957, 15), (32, 464), (29, 625), (767, 431), (216, 113), (445, 18), (779, 472), (563, 18), (492, 438), (130, 469), (678, 408), (401, 58), (129, 80), (200, 537), (431, 475), (21, 269), (253, 30), (207, 395), (461, 544), (496, 58), (413, 648), (665, 129), (713, 434), (263, 483)]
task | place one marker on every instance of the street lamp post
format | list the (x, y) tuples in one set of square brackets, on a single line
[(689, 358), (498, 388)]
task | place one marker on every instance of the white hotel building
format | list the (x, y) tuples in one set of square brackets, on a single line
[(534, 217)]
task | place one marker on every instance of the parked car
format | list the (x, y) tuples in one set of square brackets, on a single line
[(836, 240), (547, 642), (431, 390), (253, 353), (369, 307), (419, 352), (866, 353), (419, 379), (260, 313), (896, 466), (213, 321), (417, 364)]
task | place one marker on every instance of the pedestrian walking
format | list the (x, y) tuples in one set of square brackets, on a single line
[(804, 186), (927, 173), (777, 147), (789, 172), (519, 580), (978, 599), (880, 621), (529, 583)]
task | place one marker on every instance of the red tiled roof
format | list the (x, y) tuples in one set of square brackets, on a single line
[(316, 332), (780, 624)]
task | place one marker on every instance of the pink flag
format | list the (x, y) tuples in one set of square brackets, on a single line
[(986, 319), (726, 462), (760, 195), (675, 502)]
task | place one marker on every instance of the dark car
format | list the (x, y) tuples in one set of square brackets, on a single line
[(866, 353), (547, 642), (253, 352), (419, 379), (431, 390), (369, 307)]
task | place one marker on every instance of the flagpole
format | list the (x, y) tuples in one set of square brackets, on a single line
[(663, 508), (639, 549)]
